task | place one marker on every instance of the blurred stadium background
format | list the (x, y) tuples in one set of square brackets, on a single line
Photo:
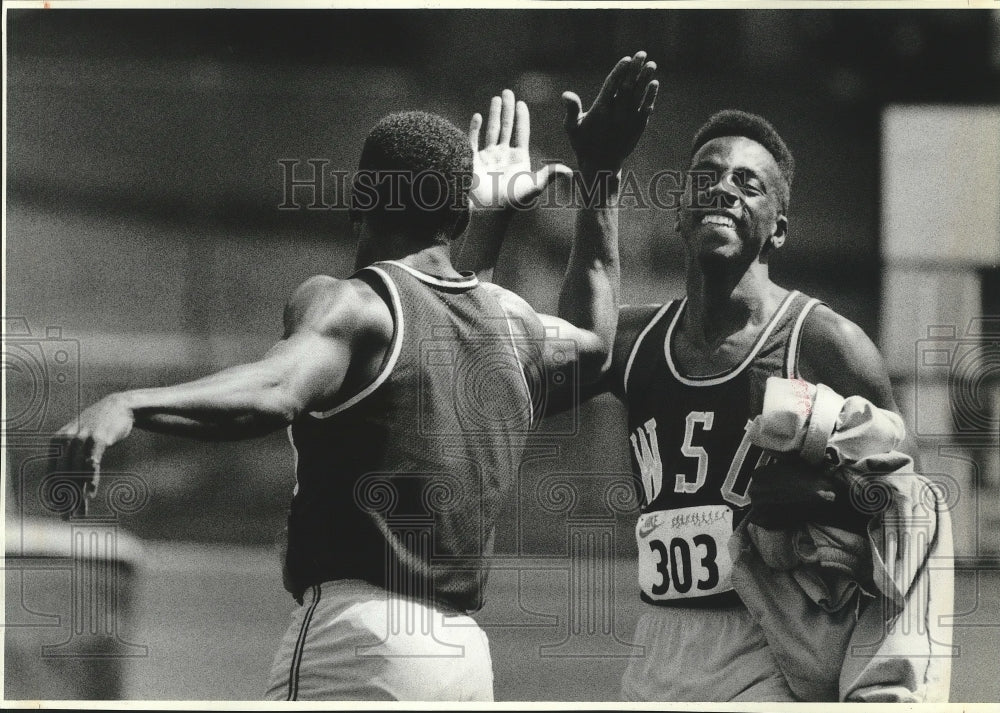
[(145, 245)]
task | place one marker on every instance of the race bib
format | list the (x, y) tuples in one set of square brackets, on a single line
[(684, 553)]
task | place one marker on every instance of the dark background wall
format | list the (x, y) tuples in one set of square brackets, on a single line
[(144, 181)]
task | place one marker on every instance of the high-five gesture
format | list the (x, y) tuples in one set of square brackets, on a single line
[(503, 175), (604, 135)]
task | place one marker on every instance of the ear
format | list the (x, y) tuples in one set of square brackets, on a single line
[(780, 231)]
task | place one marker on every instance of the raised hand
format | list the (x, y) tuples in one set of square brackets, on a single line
[(503, 175), (79, 446), (605, 135)]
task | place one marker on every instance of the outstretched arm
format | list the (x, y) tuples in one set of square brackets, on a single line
[(603, 137), (326, 322)]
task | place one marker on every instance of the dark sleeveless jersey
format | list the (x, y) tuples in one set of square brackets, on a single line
[(401, 485), (690, 452)]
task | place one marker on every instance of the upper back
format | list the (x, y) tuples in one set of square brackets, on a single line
[(434, 441), (455, 353)]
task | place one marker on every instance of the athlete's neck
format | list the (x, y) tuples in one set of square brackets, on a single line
[(722, 303), (433, 258)]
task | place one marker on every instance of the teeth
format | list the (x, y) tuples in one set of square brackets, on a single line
[(718, 220)]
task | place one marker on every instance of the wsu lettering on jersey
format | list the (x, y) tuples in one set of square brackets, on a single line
[(691, 453)]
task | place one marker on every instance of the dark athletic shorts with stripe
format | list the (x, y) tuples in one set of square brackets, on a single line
[(350, 640)]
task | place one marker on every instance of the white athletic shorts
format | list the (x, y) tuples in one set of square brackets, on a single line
[(693, 654), (351, 640)]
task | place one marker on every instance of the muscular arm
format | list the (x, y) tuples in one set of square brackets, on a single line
[(632, 319), (330, 326), (588, 297), (557, 346), (837, 352), (603, 137), (303, 371)]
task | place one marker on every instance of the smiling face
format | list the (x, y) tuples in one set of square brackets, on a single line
[(733, 207)]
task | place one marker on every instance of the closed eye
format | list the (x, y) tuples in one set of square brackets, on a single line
[(749, 182)]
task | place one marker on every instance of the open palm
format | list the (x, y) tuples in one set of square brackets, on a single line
[(502, 168)]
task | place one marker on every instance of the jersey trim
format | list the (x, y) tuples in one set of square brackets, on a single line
[(792, 354), (725, 376), (465, 282), (520, 366), (397, 346), (635, 347)]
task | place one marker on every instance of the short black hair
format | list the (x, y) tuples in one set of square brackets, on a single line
[(414, 175), (733, 122)]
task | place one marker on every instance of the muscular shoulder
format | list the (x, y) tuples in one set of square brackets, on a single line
[(837, 352), (332, 307), (516, 307), (632, 319)]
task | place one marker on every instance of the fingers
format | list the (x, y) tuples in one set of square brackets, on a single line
[(76, 459), (573, 109), (508, 123), (506, 116), (80, 471), (72, 446), (630, 76), (493, 122), (522, 126), (642, 81), (613, 81), (649, 98), (475, 124), (94, 466), (630, 79), (66, 447)]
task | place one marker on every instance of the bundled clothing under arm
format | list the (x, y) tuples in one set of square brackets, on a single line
[(851, 613)]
